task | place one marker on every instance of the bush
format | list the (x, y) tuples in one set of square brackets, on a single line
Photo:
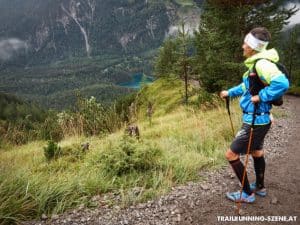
[(90, 118), (206, 100), (130, 156), (123, 104), (16, 134), (50, 129), (52, 150), (72, 153)]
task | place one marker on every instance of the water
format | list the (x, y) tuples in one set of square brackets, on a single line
[(137, 81)]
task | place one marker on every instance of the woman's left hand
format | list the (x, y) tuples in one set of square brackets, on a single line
[(255, 99)]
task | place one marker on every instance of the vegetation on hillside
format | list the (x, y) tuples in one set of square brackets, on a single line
[(56, 86), (21, 122), (291, 50), (51, 177)]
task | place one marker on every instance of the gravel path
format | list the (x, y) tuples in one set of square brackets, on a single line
[(202, 203)]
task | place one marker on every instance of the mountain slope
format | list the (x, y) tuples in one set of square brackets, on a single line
[(50, 49), (52, 30)]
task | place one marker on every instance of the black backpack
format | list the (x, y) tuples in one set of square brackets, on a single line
[(256, 84)]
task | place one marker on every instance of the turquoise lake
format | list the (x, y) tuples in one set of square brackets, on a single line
[(137, 81)]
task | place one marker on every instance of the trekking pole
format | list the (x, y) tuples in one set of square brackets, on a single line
[(229, 114), (247, 158)]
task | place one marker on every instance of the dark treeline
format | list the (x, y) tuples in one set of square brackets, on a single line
[(21, 122)]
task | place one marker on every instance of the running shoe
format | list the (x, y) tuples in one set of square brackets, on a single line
[(261, 192), (235, 196)]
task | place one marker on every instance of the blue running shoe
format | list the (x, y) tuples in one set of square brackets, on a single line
[(235, 196), (261, 192)]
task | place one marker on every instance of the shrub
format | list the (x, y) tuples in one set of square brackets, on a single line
[(206, 100), (52, 150), (123, 104), (72, 153), (90, 118), (16, 134), (51, 129), (130, 156)]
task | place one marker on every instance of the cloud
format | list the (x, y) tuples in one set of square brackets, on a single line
[(189, 28), (11, 46)]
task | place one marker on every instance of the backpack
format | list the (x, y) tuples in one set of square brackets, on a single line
[(256, 84)]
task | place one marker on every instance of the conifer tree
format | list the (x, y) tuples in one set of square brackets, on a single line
[(173, 59), (166, 59), (292, 54), (183, 61)]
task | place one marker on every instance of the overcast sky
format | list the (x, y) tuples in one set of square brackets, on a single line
[(296, 18)]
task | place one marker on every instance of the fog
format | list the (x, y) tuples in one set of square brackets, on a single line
[(11, 46)]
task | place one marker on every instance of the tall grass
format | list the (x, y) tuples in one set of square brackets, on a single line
[(171, 151)]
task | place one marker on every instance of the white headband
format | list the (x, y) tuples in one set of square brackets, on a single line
[(255, 43)]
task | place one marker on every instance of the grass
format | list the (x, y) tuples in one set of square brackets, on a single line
[(188, 140), (294, 90), (174, 148), (180, 141)]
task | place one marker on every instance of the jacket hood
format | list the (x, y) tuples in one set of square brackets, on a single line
[(270, 54)]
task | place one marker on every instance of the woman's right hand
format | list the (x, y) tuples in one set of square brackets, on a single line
[(224, 94)]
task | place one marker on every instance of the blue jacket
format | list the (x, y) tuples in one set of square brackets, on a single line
[(276, 82)]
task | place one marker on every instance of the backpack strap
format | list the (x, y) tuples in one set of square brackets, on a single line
[(255, 83), (279, 65)]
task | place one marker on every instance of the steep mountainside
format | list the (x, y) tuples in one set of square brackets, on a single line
[(52, 30), (51, 49)]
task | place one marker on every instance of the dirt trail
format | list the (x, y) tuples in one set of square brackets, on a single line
[(202, 203), (282, 181)]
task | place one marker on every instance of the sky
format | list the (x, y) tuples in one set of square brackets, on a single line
[(296, 18)]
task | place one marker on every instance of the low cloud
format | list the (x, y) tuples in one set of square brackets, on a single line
[(11, 46), (189, 28)]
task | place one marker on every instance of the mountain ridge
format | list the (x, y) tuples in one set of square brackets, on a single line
[(54, 30)]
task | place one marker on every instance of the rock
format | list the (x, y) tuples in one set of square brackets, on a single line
[(54, 217), (204, 187), (178, 218), (274, 201), (242, 212), (81, 207), (44, 217), (96, 198)]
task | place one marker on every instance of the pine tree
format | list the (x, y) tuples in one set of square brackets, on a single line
[(184, 61), (173, 59), (292, 53), (166, 59)]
